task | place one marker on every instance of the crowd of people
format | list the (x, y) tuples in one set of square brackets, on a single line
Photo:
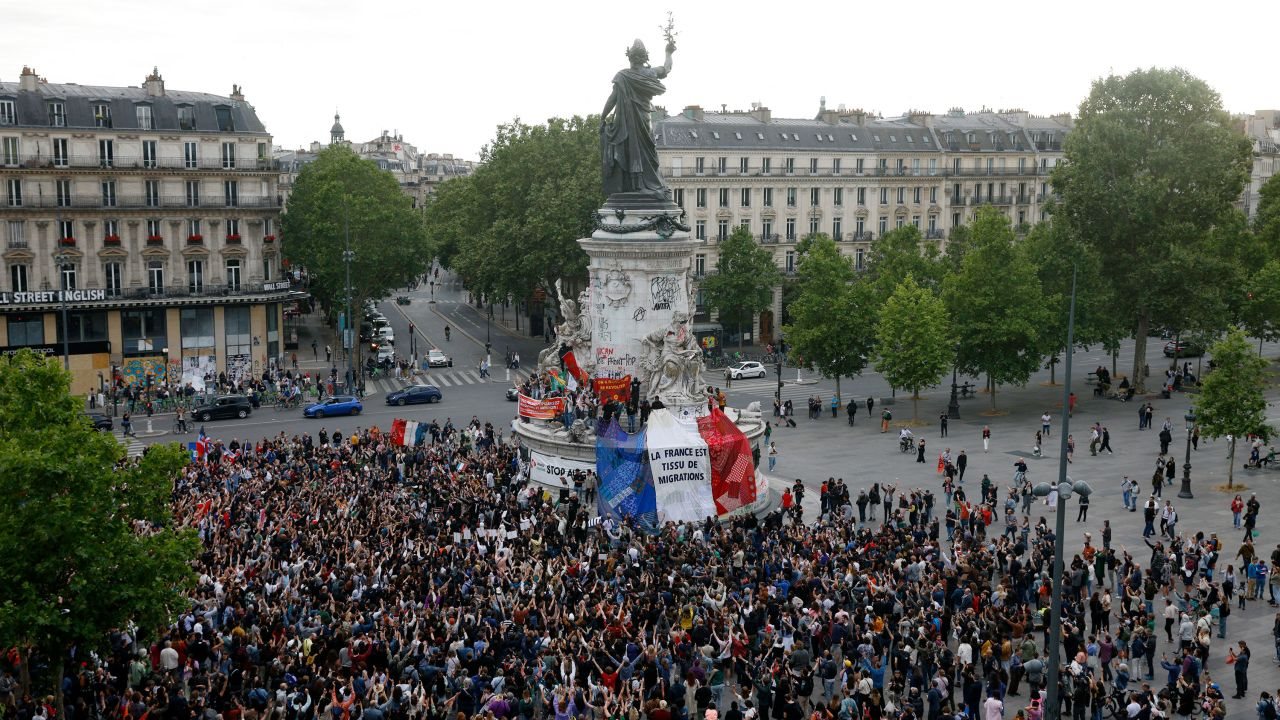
[(346, 578)]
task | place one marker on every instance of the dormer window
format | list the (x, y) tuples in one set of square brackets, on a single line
[(8, 113), (186, 117), (715, 135), (759, 136), (223, 113), (58, 114), (144, 117), (972, 138), (102, 115), (737, 135)]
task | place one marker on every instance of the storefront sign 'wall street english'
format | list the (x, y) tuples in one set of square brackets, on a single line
[(52, 296)]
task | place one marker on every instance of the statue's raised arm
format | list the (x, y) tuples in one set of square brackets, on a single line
[(628, 154)]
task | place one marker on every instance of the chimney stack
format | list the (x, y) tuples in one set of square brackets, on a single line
[(28, 81), (235, 93), (154, 83), (694, 112)]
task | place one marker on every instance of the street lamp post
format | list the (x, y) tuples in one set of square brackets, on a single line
[(778, 394), (1185, 492), (63, 261), (953, 407), (166, 367), (1053, 705), (349, 333)]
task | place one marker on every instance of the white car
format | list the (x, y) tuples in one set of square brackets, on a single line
[(745, 370), (385, 353), (436, 359), (386, 335)]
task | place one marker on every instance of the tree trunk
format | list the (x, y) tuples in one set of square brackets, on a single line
[(1231, 463), (59, 699), (993, 393), (1177, 350), (1115, 357), (24, 669), (1259, 347), (1053, 370), (839, 400), (1140, 354)]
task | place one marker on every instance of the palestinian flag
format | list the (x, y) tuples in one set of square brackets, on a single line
[(570, 363)]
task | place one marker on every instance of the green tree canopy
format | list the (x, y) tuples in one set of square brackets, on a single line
[(902, 252), (1267, 220), (1260, 313), (743, 282), (74, 561), (1231, 400), (1152, 165), (997, 309), (914, 343), (1054, 251), (513, 226), (833, 315), (341, 192)]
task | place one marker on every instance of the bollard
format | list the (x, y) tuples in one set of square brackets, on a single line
[(508, 374), (148, 426)]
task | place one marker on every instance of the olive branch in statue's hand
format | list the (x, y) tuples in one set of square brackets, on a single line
[(669, 32)]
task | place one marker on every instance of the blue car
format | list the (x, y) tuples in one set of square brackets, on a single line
[(414, 394), (336, 405)]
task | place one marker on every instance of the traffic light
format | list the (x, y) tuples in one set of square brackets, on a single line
[(487, 348)]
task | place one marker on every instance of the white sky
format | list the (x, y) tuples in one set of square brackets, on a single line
[(445, 73)]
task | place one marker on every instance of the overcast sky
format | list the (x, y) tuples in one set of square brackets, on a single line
[(445, 73)]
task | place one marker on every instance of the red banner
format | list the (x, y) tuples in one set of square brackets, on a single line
[(546, 409), (732, 472), (571, 364), (397, 431), (613, 388)]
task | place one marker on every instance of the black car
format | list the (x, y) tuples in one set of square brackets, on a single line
[(513, 394), (415, 394), (100, 421), (222, 407)]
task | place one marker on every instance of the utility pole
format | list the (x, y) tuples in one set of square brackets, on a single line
[(349, 333), (1053, 704)]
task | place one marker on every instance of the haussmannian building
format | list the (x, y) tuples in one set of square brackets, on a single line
[(852, 176), (151, 218)]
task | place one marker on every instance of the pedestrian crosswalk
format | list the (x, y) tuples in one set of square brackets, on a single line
[(766, 387), (133, 445), (443, 378)]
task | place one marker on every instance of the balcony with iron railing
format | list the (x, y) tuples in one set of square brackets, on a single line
[(768, 238), (935, 234), (140, 202), (864, 236), (121, 163)]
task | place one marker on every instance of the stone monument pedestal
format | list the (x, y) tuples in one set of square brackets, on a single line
[(634, 323)]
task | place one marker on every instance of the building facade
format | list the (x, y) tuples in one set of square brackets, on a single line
[(418, 174), (851, 176), (1263, 130), (147, 218)]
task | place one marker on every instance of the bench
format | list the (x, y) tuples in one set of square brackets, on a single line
[(1091, 378), (966, 390)]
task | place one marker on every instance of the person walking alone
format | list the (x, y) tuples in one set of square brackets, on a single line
[(986, 438), (1106, 441), (1242, 669), (942, 420), (773, 456), (920, 451), (1044, 424)]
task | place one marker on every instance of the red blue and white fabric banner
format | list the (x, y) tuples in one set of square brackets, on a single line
[(680, 464), (545, 409)]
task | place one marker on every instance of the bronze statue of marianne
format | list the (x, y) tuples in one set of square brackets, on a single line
[(630, 159)]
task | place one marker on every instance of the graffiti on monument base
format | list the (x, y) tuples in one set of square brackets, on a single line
[(663, 290), (613, 364)]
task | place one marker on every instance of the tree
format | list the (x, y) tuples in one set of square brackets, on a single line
[(833, 315), (1260, 314), (1055, 252), (513, 226), (1152, 164), (84, 546), (914, 345), (899, 253), (1231, 400), (743, 282), (1267, 220), (997, 310), (341, 194)]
